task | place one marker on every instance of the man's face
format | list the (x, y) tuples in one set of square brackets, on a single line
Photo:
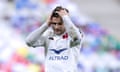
[(57, 26)]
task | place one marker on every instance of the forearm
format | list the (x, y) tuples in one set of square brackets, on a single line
[(35, 35), (70, 27)]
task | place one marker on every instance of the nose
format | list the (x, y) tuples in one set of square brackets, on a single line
[(56, 26)]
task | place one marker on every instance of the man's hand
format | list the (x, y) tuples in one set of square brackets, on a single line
[(62, 12)]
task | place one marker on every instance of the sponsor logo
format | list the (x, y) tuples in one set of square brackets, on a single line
[(58, 58), (58, 51)]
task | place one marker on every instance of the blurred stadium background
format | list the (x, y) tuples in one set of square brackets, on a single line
[(99, 20)]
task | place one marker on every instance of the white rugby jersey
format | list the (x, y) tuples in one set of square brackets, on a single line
[(62, 51)]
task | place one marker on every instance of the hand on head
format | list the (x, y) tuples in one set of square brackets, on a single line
[(62, 12), (57, 12)]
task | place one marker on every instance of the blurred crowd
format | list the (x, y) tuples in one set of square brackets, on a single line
[(100, 51)]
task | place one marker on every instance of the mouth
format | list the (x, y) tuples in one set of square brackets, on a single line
[(57, 30)]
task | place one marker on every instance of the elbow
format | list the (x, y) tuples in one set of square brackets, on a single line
[(28, 43)]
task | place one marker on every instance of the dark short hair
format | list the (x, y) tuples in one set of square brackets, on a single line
[(54, 14), (58, 8)]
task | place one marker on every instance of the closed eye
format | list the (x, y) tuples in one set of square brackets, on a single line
[(57, 23)]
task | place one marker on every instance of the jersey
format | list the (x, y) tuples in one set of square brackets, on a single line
[(60, 56), (62, 51)]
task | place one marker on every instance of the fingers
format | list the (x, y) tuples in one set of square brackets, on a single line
[(62, 12)]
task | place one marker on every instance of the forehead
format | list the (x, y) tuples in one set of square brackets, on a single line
[(56, 19)]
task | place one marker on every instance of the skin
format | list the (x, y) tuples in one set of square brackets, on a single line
[(57, 25), (56, 22)]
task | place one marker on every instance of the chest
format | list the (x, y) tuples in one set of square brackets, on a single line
[(59, 43)]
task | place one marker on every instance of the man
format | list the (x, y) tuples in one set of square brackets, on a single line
[(61, 40)]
